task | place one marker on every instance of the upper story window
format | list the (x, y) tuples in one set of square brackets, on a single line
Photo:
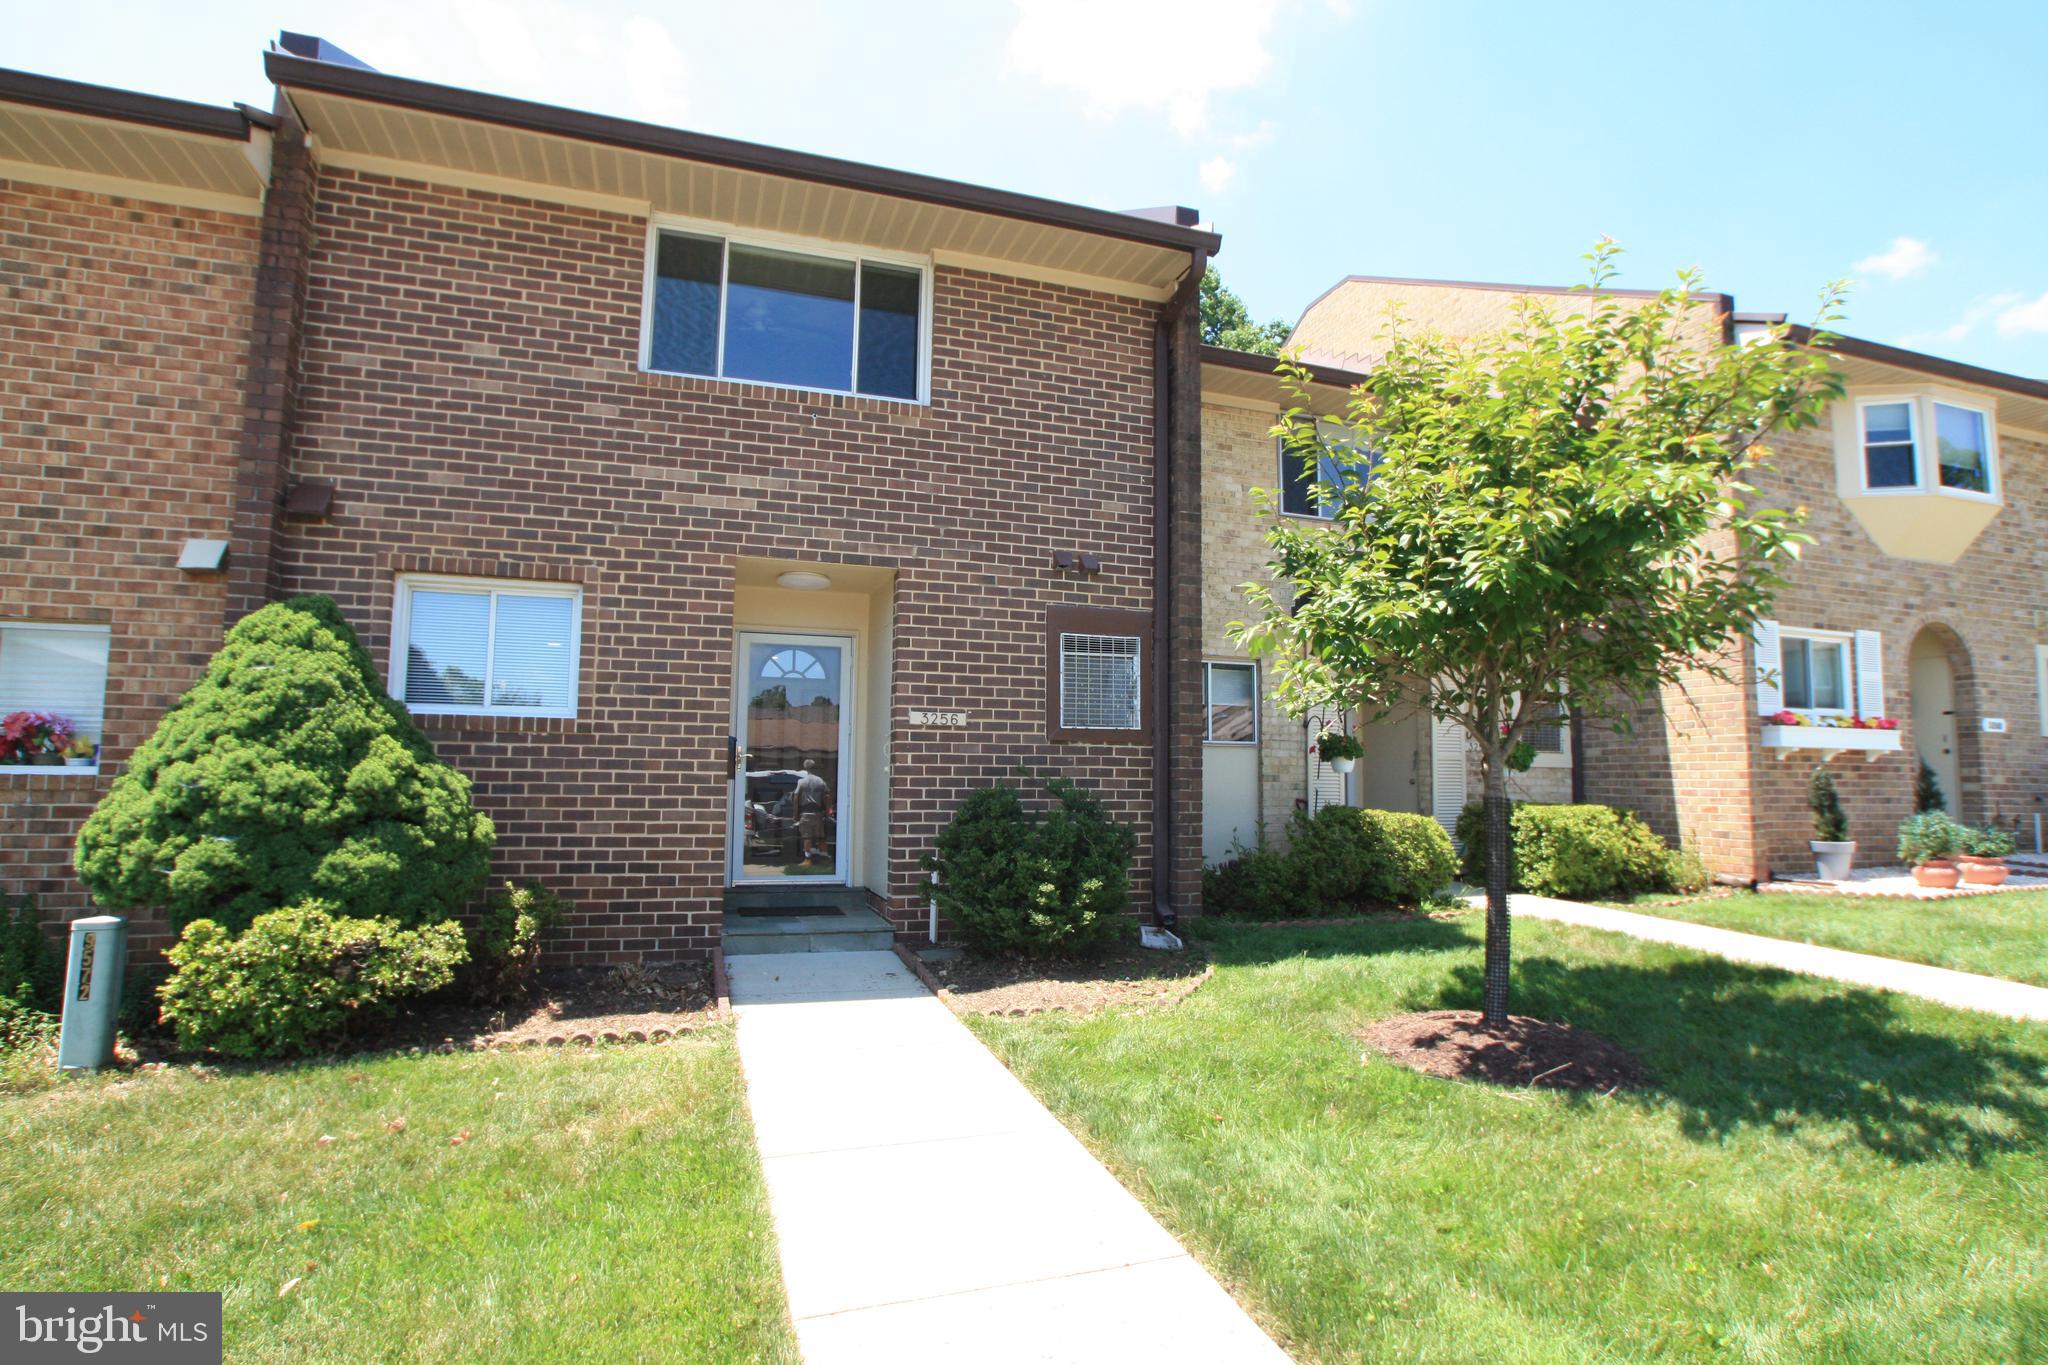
[(1306, 495), (53, 694), (1231, 700), (1897, 454), (478, 647), (801, 316)]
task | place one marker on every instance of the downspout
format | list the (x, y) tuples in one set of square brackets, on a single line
[(1167, 386)]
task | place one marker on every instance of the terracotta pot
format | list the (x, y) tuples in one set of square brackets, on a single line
[(1983, 871), (1940, 873)]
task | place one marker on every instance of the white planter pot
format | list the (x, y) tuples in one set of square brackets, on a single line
[(1343, 765), (1833, 860)]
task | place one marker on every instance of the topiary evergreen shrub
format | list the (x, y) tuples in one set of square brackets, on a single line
[(1016, 881), (298, 978), (287, 773)]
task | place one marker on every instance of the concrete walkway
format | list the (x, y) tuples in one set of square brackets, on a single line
[(928, 1208), (1963, 990)]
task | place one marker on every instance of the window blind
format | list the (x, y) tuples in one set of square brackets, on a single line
[(58, 669), (1099, 682)]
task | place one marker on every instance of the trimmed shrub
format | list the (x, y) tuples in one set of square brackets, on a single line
[(1929, 835), (1012, 881), (287, 774), (1349, 858), (506, 945), (1258, 883), (1686, 871), (298, 978), (1571, 850)]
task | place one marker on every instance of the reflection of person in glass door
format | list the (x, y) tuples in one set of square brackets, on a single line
[(813, 803)]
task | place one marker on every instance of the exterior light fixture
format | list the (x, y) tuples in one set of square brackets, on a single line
[(203, 556), (803, 580)]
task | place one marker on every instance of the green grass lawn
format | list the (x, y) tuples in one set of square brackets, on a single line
[(1815, 1172), (606, 1205), (2003, 934)]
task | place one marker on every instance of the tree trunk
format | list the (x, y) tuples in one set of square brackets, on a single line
[(1499, 877)]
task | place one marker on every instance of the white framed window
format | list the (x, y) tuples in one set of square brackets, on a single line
[(486, 647), (1551, 737), (1230, 703), (1303, 496), (1100, 682), (785, 312), (1815, 672), (53, 694), (1920, 443), (2041, 684)]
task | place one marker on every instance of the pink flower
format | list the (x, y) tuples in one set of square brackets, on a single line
[(1788, 718)]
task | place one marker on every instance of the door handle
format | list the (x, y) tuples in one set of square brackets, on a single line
[(732, 757)]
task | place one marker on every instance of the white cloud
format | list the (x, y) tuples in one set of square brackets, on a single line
[(1907, 256), (1167, 57), (1975, 316), (2021, 318), (1217, 173)]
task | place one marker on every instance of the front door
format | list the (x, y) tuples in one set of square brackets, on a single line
[(792, 784)]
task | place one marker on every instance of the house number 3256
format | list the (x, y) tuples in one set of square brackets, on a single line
[(950, 719)]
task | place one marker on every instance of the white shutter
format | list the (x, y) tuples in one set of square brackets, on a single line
[(1869, 674), (1770, 682), (1446, 772)]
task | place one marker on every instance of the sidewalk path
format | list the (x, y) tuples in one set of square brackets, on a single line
[(928, 1208), (1963, 990)]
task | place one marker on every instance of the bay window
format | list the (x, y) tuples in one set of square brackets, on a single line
[(1922, 443)]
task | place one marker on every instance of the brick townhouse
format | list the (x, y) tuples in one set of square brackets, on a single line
[(1921, 600), (725, 513)]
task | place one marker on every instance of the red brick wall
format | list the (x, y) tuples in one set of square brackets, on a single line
[(123, 333), (470, 386)]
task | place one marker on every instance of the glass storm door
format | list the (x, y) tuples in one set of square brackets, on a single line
[(792, 785)]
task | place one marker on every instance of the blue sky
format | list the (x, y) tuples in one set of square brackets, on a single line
[(1777, 146)]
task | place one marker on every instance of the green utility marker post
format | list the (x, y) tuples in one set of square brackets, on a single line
[(92, 992)]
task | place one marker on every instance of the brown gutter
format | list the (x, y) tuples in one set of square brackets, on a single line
[(1169, 387), (126, 106), (331, 78), (1914, 360), (1253, 362)]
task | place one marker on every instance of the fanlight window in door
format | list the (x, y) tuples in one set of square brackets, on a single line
[(793, 663)]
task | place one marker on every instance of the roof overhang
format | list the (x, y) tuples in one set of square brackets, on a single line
[(90, 137), (372, 121), (2022, 402), (1245, 379)]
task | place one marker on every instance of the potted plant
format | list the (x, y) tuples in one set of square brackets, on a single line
[(1927, 844), (1834, 853), (1981, 855), (81, 753), (1339, 750), (36, 737)]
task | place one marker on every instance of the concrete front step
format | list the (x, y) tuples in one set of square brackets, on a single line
[(851, 931), (755, 900)]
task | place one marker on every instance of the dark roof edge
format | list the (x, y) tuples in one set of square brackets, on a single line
[(1916, 360), (376, 86), (1267, 364), (128, 106)]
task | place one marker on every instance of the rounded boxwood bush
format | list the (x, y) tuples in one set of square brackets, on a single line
[(1256, 883), (297, 978), (1350, 858), (1016, 881), (286, 773), (1572, 850)]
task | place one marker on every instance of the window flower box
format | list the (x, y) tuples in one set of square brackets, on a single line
[(1823, 741)]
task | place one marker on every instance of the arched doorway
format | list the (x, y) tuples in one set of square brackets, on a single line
[(1933, 676)]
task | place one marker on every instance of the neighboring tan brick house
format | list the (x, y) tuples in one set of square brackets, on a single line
[(1921, 599), (725, 513)]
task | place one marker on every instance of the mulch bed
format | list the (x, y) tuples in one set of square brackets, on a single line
[(568, 1006), (1121, 976), (1529, 1053)]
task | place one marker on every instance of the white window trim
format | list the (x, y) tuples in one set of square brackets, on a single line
[(1209, 710), (100, 741), (1926, 470), (401, 635), (847, 251), (1847, 641), (1563, 757), (2041, 685)]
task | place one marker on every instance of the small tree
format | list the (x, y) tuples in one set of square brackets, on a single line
[(1830, 821), (1927, 793), (287, 774), (1559, 509)]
